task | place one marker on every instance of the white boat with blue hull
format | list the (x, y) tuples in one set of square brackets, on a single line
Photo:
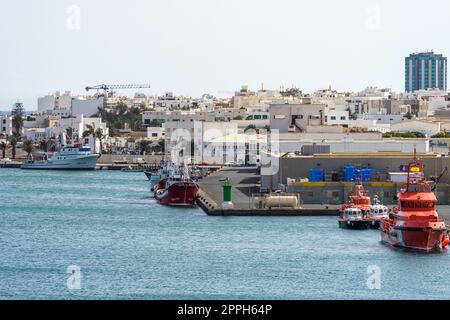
[(69, 158)]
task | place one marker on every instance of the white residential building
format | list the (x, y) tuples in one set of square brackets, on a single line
[(66, 104), (156, 133), (87, 106), (235, 149), (6, 125), (428, 128), (296, 117), (194, 134), (55, 101), (368, 142), (37, 134), (337, 115)]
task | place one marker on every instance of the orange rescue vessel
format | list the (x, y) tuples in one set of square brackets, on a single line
[(414, 223)]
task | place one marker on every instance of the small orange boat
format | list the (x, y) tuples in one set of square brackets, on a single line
[(415, 223), (358, 200)]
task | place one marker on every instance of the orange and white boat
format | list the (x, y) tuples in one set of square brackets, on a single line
[(415, 223), (358, 198), (377, 213)]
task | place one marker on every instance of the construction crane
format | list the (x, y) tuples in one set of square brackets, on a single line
[(111, 87), (438, 178)]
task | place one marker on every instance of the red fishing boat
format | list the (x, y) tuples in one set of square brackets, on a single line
[(177, 190), (414, 223)]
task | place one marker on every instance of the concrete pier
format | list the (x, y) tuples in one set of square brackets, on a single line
[(245, 181)]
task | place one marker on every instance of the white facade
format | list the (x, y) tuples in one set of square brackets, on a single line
[(235, 149), (171, 102), (36, 134), (86, 106), (428, 128), (66, 104), (345, 145), (6, 125), (337, 115), (182, 134), (383, 118), (155, 133), (55, 101)]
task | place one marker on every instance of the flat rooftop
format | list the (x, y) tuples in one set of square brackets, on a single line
[(363, 155)]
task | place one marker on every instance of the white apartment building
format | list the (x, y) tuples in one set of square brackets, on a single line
[(171, 102), (296, 117), (221, 114), (6, 125), (235, 149), (369, 142), (87, 106), (168, 116), (337, 115), (37, 134), (66, 104), (55, 101), (193, 136), (156, 133), (428, 128)]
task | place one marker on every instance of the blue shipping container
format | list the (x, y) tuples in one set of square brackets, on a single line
[(316, 175)]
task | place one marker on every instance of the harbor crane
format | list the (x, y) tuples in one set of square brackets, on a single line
[(111, 87)]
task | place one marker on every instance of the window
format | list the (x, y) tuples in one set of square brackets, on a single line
[(343, 118), (333, 117), (154, 134)]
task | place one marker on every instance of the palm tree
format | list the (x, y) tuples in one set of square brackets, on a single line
[(17, 113), (13, 143), (3, 147), (43, 145), (162, 143), (251, 127), (17, 123), (90, 132), (69, 132), (144, 146), (28, 147), (99, 134)]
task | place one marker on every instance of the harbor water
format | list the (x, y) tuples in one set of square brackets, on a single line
[(126, 246)]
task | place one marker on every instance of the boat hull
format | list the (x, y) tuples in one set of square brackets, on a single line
[(178, 194), (414, 238), (87, 162), (374, 224), (154, 179), (356, 225)]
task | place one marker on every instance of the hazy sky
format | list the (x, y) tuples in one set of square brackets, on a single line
[(212, 46)]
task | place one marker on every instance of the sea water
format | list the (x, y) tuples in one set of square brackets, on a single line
[(100, 235)]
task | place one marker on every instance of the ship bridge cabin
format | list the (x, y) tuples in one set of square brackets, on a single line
[(68, 150)]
